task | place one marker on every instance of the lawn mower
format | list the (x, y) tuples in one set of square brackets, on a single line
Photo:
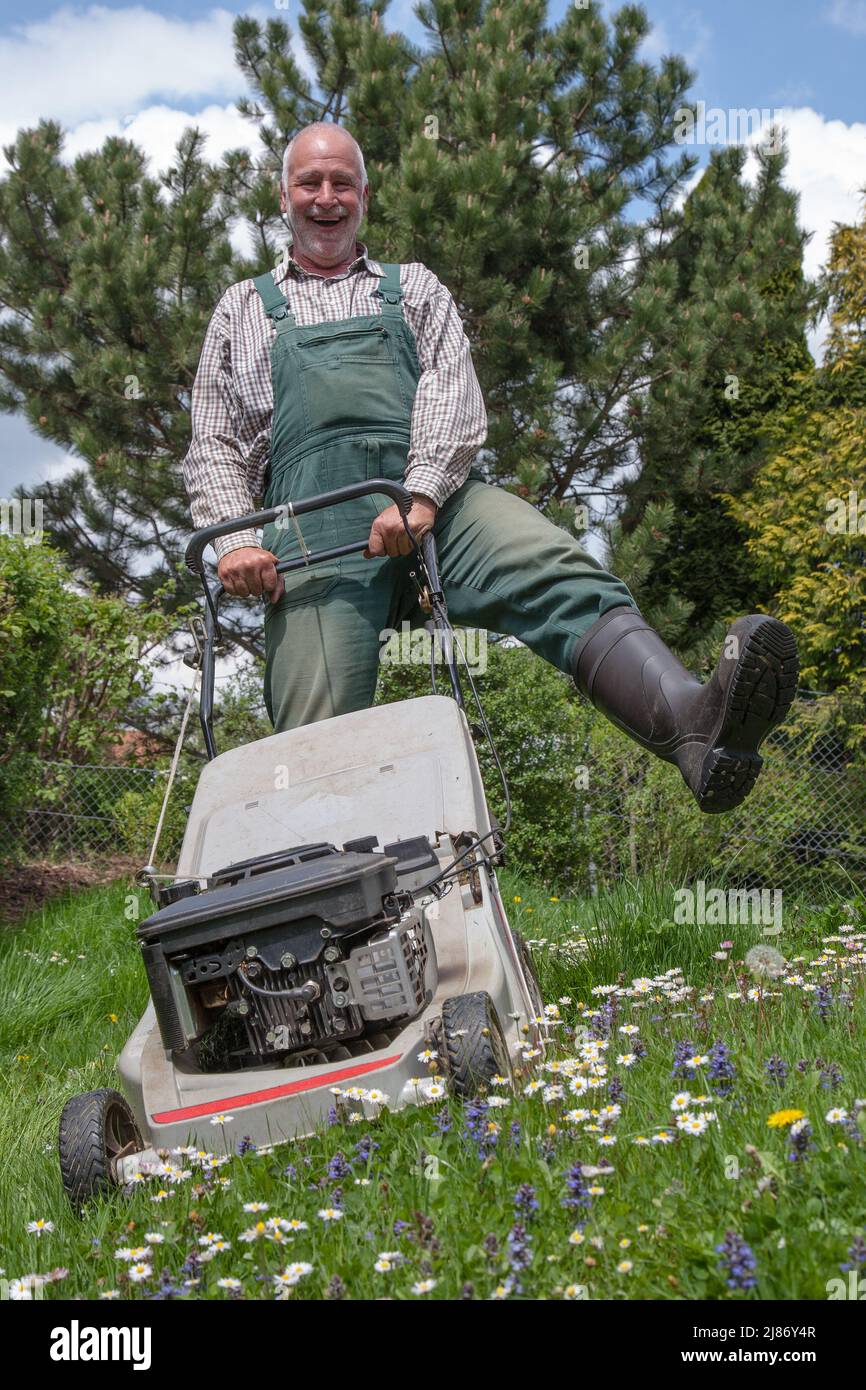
[(324, 929)]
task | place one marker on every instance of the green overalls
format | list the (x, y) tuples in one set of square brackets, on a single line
[(343, 393)]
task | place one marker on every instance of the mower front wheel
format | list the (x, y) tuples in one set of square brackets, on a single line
[(96, 1129), (474, 1044)]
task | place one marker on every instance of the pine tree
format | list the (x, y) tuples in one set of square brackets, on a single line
[(111, 276), (744, 243)]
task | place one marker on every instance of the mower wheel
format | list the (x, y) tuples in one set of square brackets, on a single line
[(96, 1129), (529, 971), (474, 1044)]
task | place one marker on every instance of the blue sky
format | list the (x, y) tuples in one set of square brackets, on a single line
[(147, 68), (745, 52)]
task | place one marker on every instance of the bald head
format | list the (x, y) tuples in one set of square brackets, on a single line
[(324, 137), (324, 194)]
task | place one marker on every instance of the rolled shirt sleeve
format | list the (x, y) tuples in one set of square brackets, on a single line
[(215, 470), (449, 418)]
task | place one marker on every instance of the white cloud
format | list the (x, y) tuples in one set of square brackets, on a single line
[(827, 168), (130, 72), (848, 14), (98, 63), (157, 129)]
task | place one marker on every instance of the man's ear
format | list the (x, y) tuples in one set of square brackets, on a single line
[(283, 204)]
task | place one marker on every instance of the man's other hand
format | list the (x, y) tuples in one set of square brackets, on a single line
[(250, 571), (388, 534)]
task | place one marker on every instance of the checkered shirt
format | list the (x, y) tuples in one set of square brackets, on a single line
[(232, 400)]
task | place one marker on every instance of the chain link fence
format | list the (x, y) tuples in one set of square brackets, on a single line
[(75, 812), (802, 830)]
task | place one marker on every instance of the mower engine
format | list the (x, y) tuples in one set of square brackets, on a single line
[(298, 956)]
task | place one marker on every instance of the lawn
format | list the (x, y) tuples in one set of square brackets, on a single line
[(565, 1188)]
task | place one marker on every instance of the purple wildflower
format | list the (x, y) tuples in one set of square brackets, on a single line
[(191, 1265), (547, 1148), (603, 1019), (823, 1000), (578, 1192), (777, 1069), (339, 1168), (519, 1253), (799, 1141), (365, 1148), (831, 1075), (443, 1120), (682, 1050), (856, 1255), (737, 1262), (721, 1069), (525, 1201), (475, 1124), (167, 1288)]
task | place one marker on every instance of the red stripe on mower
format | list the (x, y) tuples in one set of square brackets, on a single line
[(293, 1088)]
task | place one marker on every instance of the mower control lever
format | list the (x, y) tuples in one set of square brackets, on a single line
[(396, 491)]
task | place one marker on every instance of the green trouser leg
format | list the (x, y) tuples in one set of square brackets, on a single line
[(504, 567)]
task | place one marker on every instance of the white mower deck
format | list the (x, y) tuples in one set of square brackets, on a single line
[(394, 771)]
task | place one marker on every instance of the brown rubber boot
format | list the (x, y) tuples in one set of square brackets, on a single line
[(711, 731)]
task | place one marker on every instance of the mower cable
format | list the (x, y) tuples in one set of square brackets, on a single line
[(449, 869), (446, 622), (489, 736), (173, 769)]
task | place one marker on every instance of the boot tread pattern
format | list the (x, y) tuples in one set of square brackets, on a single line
[(761, 693)]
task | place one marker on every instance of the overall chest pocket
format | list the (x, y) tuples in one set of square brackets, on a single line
[(350, 380)]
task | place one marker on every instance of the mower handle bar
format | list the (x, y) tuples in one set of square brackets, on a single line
[(200, 539), (426, 552)]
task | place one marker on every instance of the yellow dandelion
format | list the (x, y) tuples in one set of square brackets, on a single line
[(780, 1118)]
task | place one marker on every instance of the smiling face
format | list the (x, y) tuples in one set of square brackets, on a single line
[(325, 199)]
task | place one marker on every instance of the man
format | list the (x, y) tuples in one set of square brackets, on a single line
[(334, 368)]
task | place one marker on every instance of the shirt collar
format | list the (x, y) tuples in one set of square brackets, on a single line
[(362, 261)]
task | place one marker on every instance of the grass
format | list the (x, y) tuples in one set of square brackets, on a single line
[(72, 986)]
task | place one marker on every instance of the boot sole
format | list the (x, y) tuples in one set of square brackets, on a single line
[(759, 697)]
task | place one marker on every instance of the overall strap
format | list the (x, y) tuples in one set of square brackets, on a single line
[(275, 303), (389, 291)]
